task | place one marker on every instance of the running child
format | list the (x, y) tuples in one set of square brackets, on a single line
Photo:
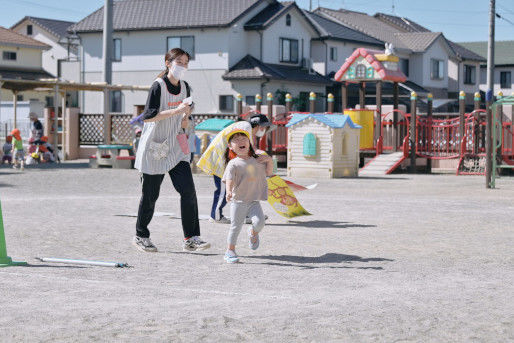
[(17, 149), (245, 178)]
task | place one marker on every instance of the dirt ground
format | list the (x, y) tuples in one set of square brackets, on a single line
[(406, 258)]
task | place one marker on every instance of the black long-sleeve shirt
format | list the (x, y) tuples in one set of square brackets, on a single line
[(153, 103)]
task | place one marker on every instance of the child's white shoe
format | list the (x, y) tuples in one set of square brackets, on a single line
[(231, 257)]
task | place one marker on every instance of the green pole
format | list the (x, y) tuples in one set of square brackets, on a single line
[(5, 261)]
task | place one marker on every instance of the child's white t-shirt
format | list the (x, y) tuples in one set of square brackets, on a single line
[(249, 179)]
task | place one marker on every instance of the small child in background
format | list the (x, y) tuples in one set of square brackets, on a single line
[(7, 150), (245, 178), (17, 149)]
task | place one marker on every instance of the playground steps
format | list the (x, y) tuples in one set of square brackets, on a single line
[(382, 164)]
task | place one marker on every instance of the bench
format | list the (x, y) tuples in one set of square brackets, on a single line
[(109, 155), (124, 162)]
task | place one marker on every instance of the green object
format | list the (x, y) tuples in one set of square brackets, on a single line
[(370, 73), (5, 261), (309, 145), (18, 144), (214, 124), (497, 141)]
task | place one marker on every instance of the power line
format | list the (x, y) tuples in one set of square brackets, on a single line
[(31, 3), (501, 17)]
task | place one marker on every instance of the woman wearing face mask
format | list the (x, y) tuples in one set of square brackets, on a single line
[(213, 162), (163, 150)]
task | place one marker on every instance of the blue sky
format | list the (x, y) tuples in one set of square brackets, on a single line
[(459, 20)]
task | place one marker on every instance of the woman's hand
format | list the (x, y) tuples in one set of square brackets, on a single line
[(183, 108), (229, 196)]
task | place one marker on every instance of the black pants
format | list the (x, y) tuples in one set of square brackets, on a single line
[(182, 180)]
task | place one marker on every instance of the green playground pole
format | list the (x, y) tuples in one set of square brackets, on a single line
[(5, 261)]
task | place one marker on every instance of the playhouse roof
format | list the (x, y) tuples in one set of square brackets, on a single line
[(373, 57), (336, 121), (214, 124)]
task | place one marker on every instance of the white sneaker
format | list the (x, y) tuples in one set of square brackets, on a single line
[(144, 244), (195, 243), (231, 257), (223, 220), (252, 245)]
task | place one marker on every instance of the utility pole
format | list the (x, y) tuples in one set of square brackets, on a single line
[(107, 68), (489, 96)]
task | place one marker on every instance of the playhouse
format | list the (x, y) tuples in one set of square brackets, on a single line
[(323, 146)]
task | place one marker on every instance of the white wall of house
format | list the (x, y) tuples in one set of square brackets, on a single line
[(243, 42), (51, 56), (300, 30), (26, 58), (320, 52), (497, 74), (436, 51)]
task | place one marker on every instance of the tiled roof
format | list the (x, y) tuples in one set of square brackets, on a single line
[(268, 15), (336, 121), (384, 73), (364, 23), (403, 24), (503, 51), (464, 53), (57, 27), (250, 68), (418, 42), (163, 14), (25, 74), (9, 37), (333, 30)]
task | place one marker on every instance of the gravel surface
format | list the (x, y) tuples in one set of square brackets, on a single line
[(406, 258)]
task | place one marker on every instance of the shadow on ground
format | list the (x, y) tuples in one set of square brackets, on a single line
[(325, 224)]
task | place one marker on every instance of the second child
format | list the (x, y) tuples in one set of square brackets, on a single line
[(245, 178), (17, 149)]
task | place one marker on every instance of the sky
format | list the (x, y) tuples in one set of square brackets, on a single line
[(459, 20)]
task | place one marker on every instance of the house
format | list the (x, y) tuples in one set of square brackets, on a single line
[(237, 46), (503, 65), (53, 33), (21, 58), (322, 146), (428, 59)]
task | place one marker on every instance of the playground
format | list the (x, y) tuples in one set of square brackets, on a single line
[(403, 258)]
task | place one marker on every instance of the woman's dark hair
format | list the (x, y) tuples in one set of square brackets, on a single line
[(170, 56), (251, 152)]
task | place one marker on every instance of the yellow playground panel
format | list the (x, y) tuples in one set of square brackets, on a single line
[(363, 118)]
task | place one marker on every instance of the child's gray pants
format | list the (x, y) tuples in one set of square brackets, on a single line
[(238, 212)]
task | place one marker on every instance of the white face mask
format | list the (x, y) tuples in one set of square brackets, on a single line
[(260, 133), (178, 71)]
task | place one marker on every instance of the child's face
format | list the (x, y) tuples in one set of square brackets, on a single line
[(240, 144)]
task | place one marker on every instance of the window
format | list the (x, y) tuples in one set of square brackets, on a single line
[(250, 100), (309, 145), (505, 80), (288, 50), (116, 46), (116, 101), (49, 101), (437, 69), (288, 20), (226, 103), (333, 54), (29, 30), (186, 43), (360, 72), (404, 66), (19, 97), (9, 56), (469, 74)]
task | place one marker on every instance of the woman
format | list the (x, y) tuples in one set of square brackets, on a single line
[(159, 152)]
